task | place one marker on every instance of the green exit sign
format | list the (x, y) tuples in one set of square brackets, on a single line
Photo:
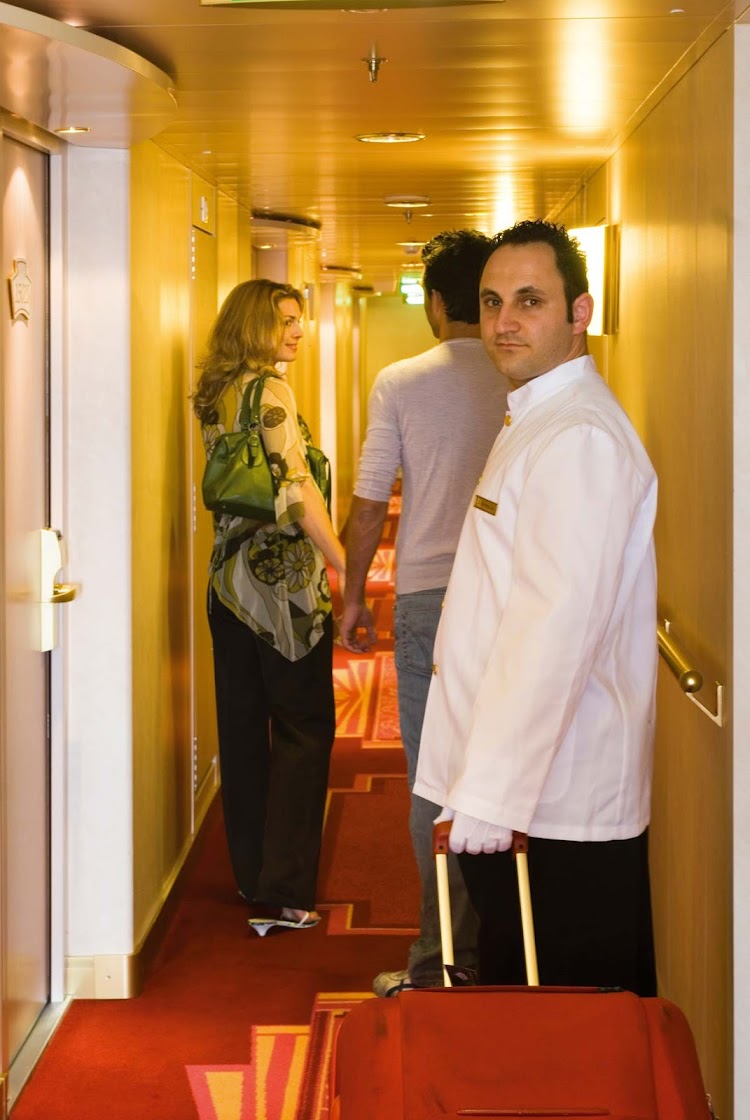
[(411, 289)]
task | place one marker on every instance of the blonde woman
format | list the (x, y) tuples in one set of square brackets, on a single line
[(270, 616)]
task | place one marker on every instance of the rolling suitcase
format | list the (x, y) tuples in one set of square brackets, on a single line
[(532, 1052)]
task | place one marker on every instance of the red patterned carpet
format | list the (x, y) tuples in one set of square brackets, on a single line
[(234, 1027)]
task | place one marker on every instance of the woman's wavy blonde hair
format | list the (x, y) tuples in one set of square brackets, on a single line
[(246, 335)]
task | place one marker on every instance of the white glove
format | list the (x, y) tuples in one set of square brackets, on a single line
[(473, 836)]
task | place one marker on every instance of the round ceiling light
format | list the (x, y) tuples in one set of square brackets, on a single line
[(406, 201), (389, 137)]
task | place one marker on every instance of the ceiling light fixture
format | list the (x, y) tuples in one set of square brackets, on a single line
[(407, 202), (389, 137), (373, 62), (340, 272), (72, 129)]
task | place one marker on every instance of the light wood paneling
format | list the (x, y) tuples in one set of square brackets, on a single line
[(304, 373), (233, 246), (160, 294), (179, 273), (394, 330), (204, 294), (227, 247), (671, 365), (346, 453)]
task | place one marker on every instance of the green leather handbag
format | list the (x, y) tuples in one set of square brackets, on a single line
[(320, 469), (238, 479)]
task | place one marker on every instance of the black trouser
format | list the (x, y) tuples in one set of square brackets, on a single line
[(592, 914), (277, 723)]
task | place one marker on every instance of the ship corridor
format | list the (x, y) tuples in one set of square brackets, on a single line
[(221, 144)]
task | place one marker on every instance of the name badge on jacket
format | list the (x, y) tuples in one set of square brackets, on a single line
[(485, 505)]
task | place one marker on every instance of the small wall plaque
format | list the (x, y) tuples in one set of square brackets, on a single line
[(20, 291)]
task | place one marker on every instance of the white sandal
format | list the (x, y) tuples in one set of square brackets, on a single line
[(261, 926)]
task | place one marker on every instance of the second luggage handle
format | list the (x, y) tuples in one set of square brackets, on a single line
[(520, 849)]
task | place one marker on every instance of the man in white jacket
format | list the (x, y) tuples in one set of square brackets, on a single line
[(541, 708)]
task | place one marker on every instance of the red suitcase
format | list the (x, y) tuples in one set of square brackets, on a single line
[(533, 1052)]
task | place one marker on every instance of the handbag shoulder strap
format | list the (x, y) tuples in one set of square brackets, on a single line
[(250, 411)]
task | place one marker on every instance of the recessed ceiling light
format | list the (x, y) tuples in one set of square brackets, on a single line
[(411, 248), (406, 201), (389, 137), (72, 129)]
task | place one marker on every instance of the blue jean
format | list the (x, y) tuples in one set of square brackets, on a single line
[(416, 621)]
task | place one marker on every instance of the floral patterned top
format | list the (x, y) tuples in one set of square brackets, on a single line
[(273, 578)]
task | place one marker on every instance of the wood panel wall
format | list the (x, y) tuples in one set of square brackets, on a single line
[(669, 188)]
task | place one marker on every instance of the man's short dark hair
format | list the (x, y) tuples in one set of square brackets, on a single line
[(569, 257), (453, 263)]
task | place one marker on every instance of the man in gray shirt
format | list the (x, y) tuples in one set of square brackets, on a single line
[(434, 416)]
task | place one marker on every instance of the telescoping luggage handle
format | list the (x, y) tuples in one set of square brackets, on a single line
[(520, 849)]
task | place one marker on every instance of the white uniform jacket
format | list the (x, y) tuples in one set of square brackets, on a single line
[(541, 707)]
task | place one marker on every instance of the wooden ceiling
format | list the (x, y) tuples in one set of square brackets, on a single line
[(517, 102)]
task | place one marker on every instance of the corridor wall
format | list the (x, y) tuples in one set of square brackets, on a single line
[(305, 375), (390, 329), (669, 189), (181, 268), (161, 525), (346, 452), (179, 276)]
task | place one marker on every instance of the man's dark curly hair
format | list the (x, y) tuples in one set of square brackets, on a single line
[(453, 262), (569, 257)]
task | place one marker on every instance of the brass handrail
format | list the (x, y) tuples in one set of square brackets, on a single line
[(689, 679)]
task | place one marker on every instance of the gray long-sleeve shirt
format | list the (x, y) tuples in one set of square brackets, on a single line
[(436, 416)]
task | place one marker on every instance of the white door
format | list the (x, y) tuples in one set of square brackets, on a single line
[(24, 669)]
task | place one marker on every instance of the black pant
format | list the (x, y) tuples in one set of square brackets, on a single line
[(277, 723), (592, 914)]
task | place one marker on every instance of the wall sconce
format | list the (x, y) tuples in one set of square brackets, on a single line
[(600, 245)]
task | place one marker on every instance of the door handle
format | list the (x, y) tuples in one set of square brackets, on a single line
[(64, 592), (50, 593)]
